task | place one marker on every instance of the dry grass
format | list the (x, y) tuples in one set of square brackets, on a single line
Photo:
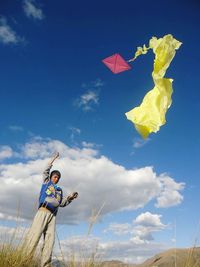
[(11, 256)]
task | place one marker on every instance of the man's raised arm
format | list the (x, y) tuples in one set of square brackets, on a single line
[(48, 168)]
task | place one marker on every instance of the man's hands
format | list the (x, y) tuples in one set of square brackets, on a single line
[(72, 196), (55, 156)]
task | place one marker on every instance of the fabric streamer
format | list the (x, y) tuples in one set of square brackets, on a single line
[(150, 115)]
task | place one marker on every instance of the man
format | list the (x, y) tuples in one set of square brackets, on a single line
[(51, 198)]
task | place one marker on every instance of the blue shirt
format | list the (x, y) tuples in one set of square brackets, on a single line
[(51, 195)]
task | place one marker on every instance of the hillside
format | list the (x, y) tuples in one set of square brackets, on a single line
[(175, 258)]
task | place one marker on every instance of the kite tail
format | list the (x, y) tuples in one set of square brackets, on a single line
[(140, 51), (150, 115)]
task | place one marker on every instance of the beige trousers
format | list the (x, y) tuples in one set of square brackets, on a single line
[(43, 223)]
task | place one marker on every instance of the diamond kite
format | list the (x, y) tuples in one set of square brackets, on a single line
[(116, 63)]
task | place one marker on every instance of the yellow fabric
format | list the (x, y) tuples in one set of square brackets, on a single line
[(150, 115)]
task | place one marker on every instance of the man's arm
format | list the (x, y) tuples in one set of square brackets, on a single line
[(67, 200), (48, 168)]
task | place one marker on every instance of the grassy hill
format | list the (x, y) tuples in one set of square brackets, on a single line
[(171, 258), (175, 258)]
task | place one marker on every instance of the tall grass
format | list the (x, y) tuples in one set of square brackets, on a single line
[(11, 256), (13, 253)]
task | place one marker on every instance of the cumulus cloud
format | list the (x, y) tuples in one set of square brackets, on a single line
[(137, 242), (148, 219), (145, 225), (97, 179), (142, 228), (169, 195), (32, 11), (7, 34)]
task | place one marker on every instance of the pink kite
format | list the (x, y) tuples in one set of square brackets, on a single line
[(116, 63)]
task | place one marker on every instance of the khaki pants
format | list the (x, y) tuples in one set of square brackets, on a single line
[(43, 223)]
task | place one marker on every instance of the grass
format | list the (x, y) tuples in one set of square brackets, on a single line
[(12, 253), (11, 256)]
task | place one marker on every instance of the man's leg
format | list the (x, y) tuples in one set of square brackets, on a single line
[(37, 228), (49, 237)]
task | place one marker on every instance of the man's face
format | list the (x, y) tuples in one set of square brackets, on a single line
[(54, 178)]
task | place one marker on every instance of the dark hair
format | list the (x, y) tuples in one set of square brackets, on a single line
[(55, 172)]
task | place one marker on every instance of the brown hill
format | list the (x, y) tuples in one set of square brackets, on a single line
[(175, 258), (171, 258)]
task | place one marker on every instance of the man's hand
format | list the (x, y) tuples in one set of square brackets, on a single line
[(72, 196)]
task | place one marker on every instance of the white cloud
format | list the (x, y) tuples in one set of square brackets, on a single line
[(119, 228), (5, 152), (88, 100), (10, 218), (169, 195), (97, 179), (148, 219), (7, 34), (15, 234), (32, 11), (139, 243), (146, 224), (142, 228)]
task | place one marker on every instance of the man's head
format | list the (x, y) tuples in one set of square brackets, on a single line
[(55, 176)]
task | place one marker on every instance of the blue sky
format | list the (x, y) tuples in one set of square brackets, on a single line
[(57, 95)]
